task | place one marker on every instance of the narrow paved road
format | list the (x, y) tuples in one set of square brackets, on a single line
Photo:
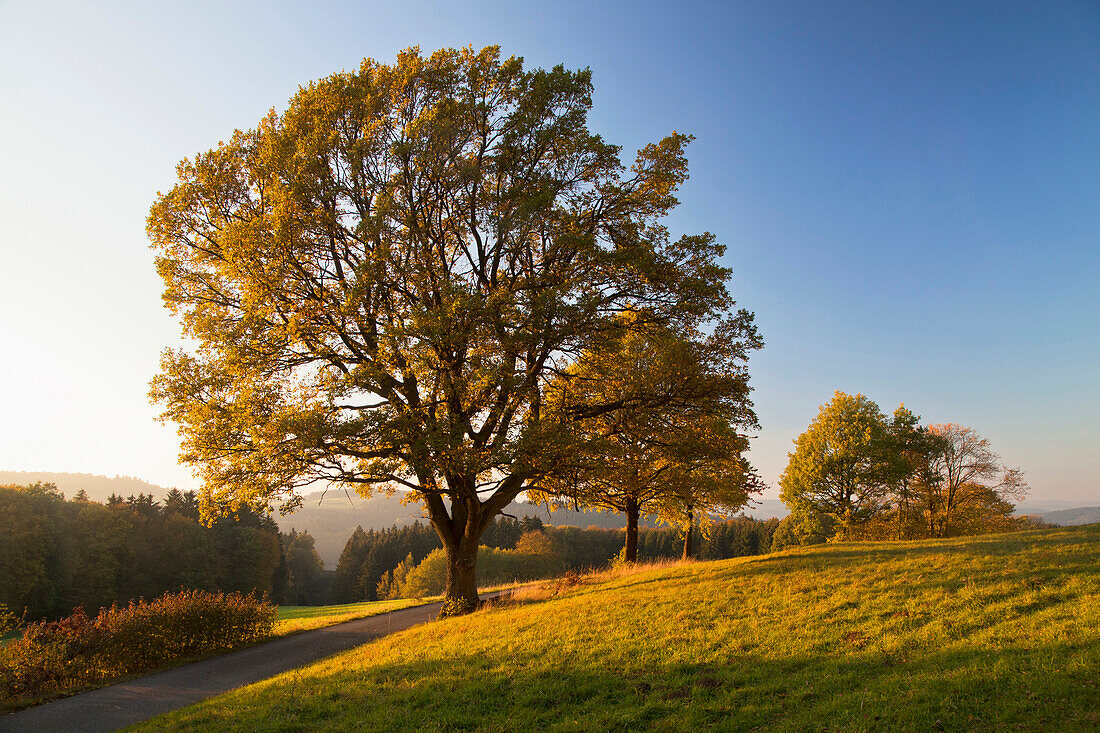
[(126, 703)]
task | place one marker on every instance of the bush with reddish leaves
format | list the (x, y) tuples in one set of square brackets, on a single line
[(78, 651)]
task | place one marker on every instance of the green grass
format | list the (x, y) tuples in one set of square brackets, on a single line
[(293, 619), (982, 633)]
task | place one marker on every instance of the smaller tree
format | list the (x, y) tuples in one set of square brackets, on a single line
[(907, 461), (964, 475), (803, 526), (8, 621), (708, 475), (671, 446), (839, 465), (349, 566), (389, 587), (185, 503)]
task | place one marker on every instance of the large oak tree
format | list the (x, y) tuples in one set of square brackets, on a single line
[(380, 281)]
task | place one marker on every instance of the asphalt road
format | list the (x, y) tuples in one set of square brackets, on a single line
[(114, 707)]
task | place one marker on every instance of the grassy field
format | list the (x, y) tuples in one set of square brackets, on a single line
[(293, 619), (996, 632)]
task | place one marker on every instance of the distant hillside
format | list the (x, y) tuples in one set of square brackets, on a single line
[(1073, 517), (766, 509), (989, 633), (98, 487), (1042, 506), (330, 517)]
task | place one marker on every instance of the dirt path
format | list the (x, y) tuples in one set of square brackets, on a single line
[(126, 703)]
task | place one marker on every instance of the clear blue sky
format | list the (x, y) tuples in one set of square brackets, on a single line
[(910, 194)]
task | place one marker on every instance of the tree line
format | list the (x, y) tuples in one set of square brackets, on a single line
[(376, 564), (58, 554)]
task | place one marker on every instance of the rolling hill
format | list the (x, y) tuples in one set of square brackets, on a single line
[(983, 633), (98, 487), (1073, 517)]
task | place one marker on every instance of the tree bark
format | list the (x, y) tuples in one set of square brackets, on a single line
[(632, 511), (460, 530), (460, 592), (688, 533)]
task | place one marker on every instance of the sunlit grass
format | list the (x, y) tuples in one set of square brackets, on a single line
[(293, 619), (990, 632)]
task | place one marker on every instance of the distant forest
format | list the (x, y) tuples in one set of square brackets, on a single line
[(370, 557), (58, 554), (330, 517)]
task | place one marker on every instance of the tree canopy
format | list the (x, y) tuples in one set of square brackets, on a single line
[(965, 481), (857, 473), (56, 555), (837, 465), (381, 281), (684, 455)]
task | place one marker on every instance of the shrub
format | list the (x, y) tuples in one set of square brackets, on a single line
[(8, 621), (455, 607), (78, 651)]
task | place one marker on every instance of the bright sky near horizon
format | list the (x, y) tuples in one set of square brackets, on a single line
[(909, 193)]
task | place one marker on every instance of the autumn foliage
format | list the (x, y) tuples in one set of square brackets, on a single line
[(382, 281), (858, 474), (79, 650)]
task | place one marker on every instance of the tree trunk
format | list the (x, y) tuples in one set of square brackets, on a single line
[(903, 511), (460, 530), (688, 533), (460, 592), (632, 511), (931, 515)]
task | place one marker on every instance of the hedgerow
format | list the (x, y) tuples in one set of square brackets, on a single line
[(76, 651)]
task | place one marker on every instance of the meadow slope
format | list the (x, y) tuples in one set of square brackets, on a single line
[(989, 632)]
